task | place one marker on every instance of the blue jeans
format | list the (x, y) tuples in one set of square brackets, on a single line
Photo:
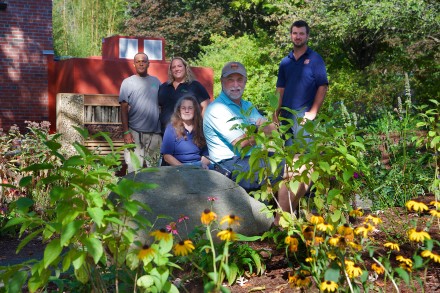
[(296, 128)]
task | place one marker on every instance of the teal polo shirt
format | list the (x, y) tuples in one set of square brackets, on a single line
[(218, 124)]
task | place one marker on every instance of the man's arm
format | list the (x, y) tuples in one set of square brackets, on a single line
[(317, 103), (280, 91), (128, 137)]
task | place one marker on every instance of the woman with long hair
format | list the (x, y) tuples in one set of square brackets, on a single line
[(183, 141), (180, 83)]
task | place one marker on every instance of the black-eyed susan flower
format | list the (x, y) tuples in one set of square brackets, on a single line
[(208, 216), (309, 232), (328, 286), (354, 271), (146, 252), (435, 203), (292, 279), (356, 213), (324, 227), (377, 268), (354, 245), (227, 235), (435, 213), (292, 243), (303, 281), (392, 246), (161, 234), (416, 206), (231, 220), (418, 235), (319, 240), (346, 231), (183, 248), (364, 230), (431, 255), (334, 240), (404, 260), (316, 219), (331, 255), (375, 220)]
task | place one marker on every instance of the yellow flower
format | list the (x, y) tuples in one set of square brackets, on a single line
[(318, 240), (354, 271), (303, 281), (435, 203), (230, 219), (404, 260), (355, 245), (435, 213), (417, 235), (315, 220), (146, 251), (292, 242), (431, 255), (309, 259), (227, 235), (348, 263), (161, 234), (292, 279), (375, 220), (331, 255), (364, 230), (334, 241), (356, 213), (183, 247), (207, 217), (346, 231), (328, 286), (308, 232), (377, 268), (324, 227), (392, 246), (406, 267), (416, 206)]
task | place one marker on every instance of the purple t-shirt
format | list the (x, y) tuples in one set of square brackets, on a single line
[(185, 151)]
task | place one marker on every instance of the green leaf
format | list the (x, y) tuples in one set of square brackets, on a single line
[(28, 238), (69, 231), (94, 247), (79, 260), (331, 195), (241, 237), (14, 221), (74, 161), (82, 275), (52, 251), (336, 216), (38, 167), (145, 281), (16, 282), (23, 204), (332, 273), (25, 181), (403, 275), (97, 214), (233, 272)]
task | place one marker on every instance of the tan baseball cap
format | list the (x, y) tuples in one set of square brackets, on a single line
[(233, 67)]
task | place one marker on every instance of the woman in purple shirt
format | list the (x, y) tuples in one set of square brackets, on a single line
[(183, 141)]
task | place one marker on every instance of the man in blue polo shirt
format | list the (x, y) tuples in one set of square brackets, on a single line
[(223, 140), (302, 80)]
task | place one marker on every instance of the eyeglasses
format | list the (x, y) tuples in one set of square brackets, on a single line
[(141, 61)]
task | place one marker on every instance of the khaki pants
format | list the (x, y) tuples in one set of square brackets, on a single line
[(147, 150)]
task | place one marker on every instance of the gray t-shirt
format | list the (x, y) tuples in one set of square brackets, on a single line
[(141, 95)]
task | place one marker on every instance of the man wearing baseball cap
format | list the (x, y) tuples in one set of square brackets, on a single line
[(224, 140)]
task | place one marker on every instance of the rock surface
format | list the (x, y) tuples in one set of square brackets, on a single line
[(184, 190)]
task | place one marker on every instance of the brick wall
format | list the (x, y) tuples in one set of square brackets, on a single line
[(25, 31)]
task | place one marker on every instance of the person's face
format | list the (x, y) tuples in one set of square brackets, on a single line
[(233, 85), (178, 69), (299, 36), (187, 110), (141, 64)]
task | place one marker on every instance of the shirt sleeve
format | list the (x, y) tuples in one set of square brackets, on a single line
[(168, 141), (224, 120), (320, 72), (281, 81), (124, 91)]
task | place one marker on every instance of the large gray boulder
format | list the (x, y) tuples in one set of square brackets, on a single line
[(184, 190)]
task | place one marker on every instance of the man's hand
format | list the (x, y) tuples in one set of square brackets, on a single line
[(308, 116)]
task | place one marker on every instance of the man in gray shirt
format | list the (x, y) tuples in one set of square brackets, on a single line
[(140, 114)]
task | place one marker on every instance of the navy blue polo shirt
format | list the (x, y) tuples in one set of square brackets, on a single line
[(301, 79), (168, 97), (185, 151)]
